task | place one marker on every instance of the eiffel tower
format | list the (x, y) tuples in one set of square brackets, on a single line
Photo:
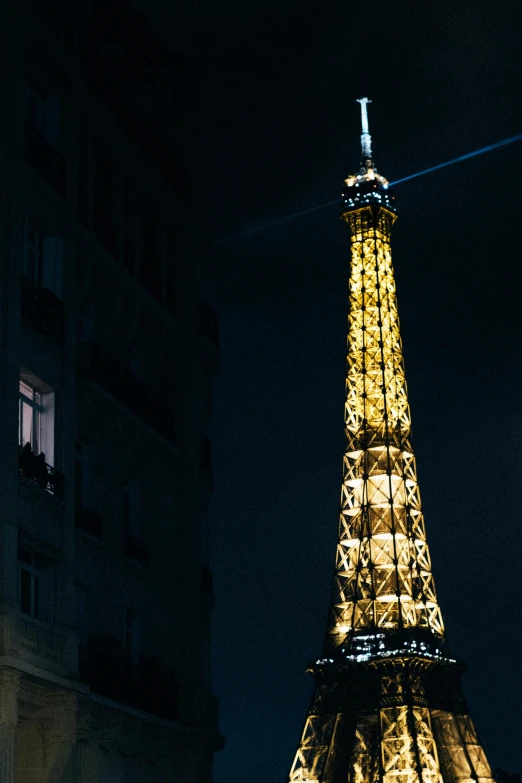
[(387, 705)]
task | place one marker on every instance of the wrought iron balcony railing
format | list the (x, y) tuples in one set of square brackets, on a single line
[(121, 383), (33, 467), (43, 311)]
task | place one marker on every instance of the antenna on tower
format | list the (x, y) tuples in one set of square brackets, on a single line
[(366, 139)]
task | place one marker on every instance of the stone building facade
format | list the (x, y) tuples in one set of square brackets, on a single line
[(107, 361)]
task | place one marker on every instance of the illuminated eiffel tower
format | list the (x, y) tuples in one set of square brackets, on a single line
[(387, 705)]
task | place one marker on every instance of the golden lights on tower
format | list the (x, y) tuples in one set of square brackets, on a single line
[(387, 706), (383, 568)]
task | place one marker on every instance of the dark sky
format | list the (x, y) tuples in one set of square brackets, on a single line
[(276, 131)]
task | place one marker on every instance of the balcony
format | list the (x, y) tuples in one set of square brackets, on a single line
[(121, 383), (38, 639), (45, 159), (43, 311), (148, 685), (136, 549), (37, 471), (89, 521)]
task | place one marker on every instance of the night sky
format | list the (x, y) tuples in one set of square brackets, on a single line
[(276, 130)]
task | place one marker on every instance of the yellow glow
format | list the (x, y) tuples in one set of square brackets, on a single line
[(383, 575), (383, 568)]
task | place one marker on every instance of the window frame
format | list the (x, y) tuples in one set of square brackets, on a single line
[(34, 249), (45, 407), (46, 251), (37, 412), (40, 574)]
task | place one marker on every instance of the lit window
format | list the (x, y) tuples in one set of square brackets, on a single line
[(35, 585), (36, 417), (30, 415)]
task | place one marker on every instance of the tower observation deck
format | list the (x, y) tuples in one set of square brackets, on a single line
[(387, 705)]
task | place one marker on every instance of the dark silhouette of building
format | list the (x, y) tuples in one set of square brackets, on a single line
[(107, 364)]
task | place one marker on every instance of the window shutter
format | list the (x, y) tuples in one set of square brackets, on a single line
[(52, 271)]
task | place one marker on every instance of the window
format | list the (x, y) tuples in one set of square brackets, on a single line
[(36, 417), (42, 114), (42, 137), (43, 258), (35, 585), (33, 259), (30, 417)]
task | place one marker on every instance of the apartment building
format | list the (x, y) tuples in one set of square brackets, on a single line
[(107, 360)]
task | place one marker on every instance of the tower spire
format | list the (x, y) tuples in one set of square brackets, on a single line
[(366, 139), (387, 706), (367, 186)]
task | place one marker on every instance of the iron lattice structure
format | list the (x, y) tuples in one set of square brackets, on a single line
[(387, 706)]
